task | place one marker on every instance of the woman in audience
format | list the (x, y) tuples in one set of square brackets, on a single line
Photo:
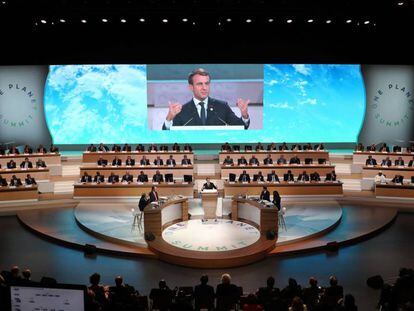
[(276, 199)]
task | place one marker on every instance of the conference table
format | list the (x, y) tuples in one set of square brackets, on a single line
[(49, 158), (93, 157), (21, 193), (284, 188), (360, 157), (395, 190), (37, 173), (177, 171), (279, 169), (388, 171), (131, 190), (275, 154)]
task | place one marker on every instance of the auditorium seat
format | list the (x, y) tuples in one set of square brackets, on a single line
[(188, 178), (169, 178), (308, 161), (321, 161), (232, 177)]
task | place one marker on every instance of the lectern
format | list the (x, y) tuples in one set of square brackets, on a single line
[(209, 202)]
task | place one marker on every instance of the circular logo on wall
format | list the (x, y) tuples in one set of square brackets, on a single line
[(392, 105), (18, 104)]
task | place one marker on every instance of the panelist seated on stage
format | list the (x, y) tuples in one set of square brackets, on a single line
[(331, 176), (164, 148), (153, 195), (144, 161), (277, 200), (171, 161), (294, 160), (158, 177), (91, 148), (386, 162), (288, 176), (370, 161), (208, 185), (359, 147), (319, 147), (384, 148), (176, 147), (272, 177), (126, 148), (244, 177), (113, 178), (304, 176), (258, 177), (140, 148), (265, 194), (380, 178), (254, 161), (281, 160), (15, 182), (27, 150), (396, 149), (228, 161), (29, 180), (283, 147), (129, 161), (40, 163), (158, 161), (308, 147), (188, 148), (411, 163), (185, 161), (116, 148), (315, 176), (13, 150), (41, 149), (226, 147), (127, 178), (372, 148), (248, 148), (103, 148), (296, 147), (399, 162), (268, 160), (242, 161), (3, 182), (53, 149), (202, 109), (11, 164), (259, 147), (86, 178), (142, 177), (398, 179), (116, 162), (152, 148), (271, 147), (26, 164), (99, 178)]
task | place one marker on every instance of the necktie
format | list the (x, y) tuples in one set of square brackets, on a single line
[(203, 113)]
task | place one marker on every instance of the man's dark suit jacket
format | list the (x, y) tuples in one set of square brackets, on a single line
[(158, 178), (371, 162), (170, 161), (227, 296), (246, 177), (303, 177), (216, 110), (269, 177), (99, 178), (386, 162), (102, 162), (128, 178), (411, 163), (158, 162), (268, 161), (29, 164), (204, 297), (113, 178), (265, 195), (144, 162), (153, 196), (30, 181), (294, 160), (142, 178), (117, 162), (399, 162), (241, 161), (3, 182), (130, 162), (186, 162), (86, 178), (40, 164), (15, 182), (11, 165)]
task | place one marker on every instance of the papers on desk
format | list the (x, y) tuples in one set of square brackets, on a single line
[(209, 191)]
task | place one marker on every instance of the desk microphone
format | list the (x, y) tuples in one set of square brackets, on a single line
[(193, 115), (211, 109)]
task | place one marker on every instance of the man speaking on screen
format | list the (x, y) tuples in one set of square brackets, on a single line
[(202, 109)]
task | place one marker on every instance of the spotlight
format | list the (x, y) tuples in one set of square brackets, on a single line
[(248, 20), (289, 21), (366, 22), (348, 21), (270, 20), (185, 20), (123, 20), (328, 21), (399, 3), (310, 20), (43, 21), (142, 20), (165, 20), (84, 21), (228, 20), (104, 20), (62, 20)]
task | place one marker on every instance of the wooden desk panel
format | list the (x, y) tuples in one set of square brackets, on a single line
[(133, 189), (389, 172), (178, 170), (18, 193), (284, 188), (279, 169), (92, 157), (391, 190), (37, 174), (49, 158), (360, 158), (261, 155)]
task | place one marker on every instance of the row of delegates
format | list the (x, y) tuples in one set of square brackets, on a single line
[(144, 161), (268, 160), (381, 178), (387, 161), (127, 177), (16, 182), (28, 150), (273, 177), (383, 148), (25, 164), (140, 148), (283, 147)]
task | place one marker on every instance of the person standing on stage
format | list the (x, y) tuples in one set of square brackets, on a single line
[(143, 201), (277, 200), (153, 195), (208, 185)]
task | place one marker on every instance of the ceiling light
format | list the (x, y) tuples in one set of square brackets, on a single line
[(310, 20), (366, 22), (348, 21), (62, 20), (104, 20), (123, 20), (43, 21), (84, 21), (142, 20), (328, 21), (185, 20), (289, 21), (270, 20), (248, 20), (228, 20), (165, 20)]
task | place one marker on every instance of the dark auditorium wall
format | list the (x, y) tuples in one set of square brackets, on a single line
[(22, 117), (389, 114)]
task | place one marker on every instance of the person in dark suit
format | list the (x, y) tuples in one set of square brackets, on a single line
[(16, 182), (384, 148), (244, 177), (176, 147), (271, 147), (332, 293), (116, 162), (40, 163), (143, 201), (204, 295), (144, 161), (294, 160), (86, 177), (228, 161), (276, 200), (319, 147), (41, 149), (265, 194), (113, 178), (359, 147), (127, 178), (227, 294), (208, 185), (226, 147), (26, 163), (281, 160), (288, 176), (3, 182), (269, 296), (242, 161), (171, 161), (283, 147), (396, 149), (411, 163), (116, 148), (399, 162), (158, 161), (272, 177), (259, 147), (91, 148), (258, 177), (185, 160), (99, 178), (398, 179), (153, 148), (253, 160), (27, 150), (303, 177), (11, 164), (158, 177), (315, 176), (129, 161), (142, 177), (370, 161), (296, 147), (372, 148), (13, 150), (268, 160), (331, 176), (153, 194), (29, 180), (202, 109), (126, 148), (164, 148), (308, 147), (103, 148), (386, 162), (140, 148), (53, 149)]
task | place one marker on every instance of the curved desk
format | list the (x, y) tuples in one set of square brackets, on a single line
[(156, 219), (265, 218)]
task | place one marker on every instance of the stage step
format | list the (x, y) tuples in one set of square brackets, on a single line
[(70, 170), (64, 186), (209, 169), (351, 184), (342, 168)]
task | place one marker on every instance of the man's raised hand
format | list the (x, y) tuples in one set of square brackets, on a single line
[(243, 106), (174, 108)]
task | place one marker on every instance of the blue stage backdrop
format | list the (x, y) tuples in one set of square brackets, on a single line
[(108, 103)]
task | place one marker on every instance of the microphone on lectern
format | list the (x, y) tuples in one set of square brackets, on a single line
[(210, 108)]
